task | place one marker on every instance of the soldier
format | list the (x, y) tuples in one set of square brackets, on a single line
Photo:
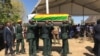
[(31, 38), (19, 38), (64, 37), (51, 29), (46, 38), (50, 34), (37, 35)]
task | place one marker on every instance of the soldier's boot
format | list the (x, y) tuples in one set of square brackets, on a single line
[(22, 51), (34, 54), (45, 55), (30, 55), (12, 54), (63, 54)]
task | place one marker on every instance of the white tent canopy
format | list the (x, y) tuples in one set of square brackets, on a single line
[(73, 7)]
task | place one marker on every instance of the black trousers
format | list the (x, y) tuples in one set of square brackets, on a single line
[(14, 37), (8, 46), (97, 48)]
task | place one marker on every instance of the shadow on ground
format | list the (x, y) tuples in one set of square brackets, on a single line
[(89, 48), (87, 54), (2, 46), (54, 48)]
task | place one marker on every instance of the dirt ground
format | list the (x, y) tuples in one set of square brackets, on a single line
[(76, 48)]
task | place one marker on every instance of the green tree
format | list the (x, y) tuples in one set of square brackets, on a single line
[(11, 10), (18, 10)]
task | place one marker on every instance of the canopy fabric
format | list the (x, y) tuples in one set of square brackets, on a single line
[(51, 17), (73, 7)]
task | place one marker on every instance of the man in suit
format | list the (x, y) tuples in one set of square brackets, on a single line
[(8, 39), (97, 38), (31, 38), (64, 37), (19, 38)]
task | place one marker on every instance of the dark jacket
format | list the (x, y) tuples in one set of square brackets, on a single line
[(19, 32), (8, 35), (37, 31), (45, 31), (97, 32), (31, 31), (64, 31)]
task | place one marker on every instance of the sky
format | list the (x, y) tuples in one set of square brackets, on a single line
[(78, 19), (29, 6)]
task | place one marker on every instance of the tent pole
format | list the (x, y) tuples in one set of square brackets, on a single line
[(71, 7), (71, 11), (83, 15), (47, 6)]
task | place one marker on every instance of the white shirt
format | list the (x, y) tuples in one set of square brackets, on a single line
[(78, 28)]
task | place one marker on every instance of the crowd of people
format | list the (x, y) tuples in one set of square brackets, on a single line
[(14, 35)]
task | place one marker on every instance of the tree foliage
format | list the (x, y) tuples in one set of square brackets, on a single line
[(11, 10)]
